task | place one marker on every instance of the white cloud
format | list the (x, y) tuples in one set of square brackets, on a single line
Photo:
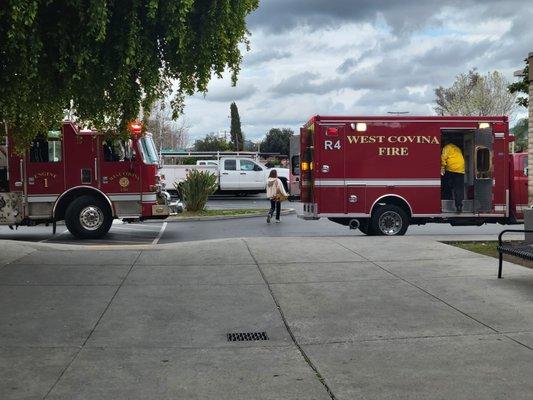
[(355, 57)]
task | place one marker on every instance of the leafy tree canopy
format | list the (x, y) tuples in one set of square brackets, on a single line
[(109, 59), (277, 141), (211, 143), (476, 94), (522, 87)]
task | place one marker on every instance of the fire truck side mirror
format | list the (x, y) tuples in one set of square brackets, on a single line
[(526, 171)]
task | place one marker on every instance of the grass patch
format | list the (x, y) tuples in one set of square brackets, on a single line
[(489, 248), (485, 248), (223, 213)]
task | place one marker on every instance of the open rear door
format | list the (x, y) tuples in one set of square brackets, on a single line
[(483, 174), (294, 166)]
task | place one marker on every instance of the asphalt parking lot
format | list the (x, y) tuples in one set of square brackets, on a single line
[(172, 231), (120, 234)]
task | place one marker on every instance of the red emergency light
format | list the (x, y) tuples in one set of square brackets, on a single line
[(332, 132), (135, 128)]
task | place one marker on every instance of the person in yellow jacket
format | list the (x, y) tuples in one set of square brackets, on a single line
[(453, 174)]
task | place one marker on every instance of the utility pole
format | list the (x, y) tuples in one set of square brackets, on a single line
[(530, 133)]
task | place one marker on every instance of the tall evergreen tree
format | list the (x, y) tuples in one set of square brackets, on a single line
[(237, 138)]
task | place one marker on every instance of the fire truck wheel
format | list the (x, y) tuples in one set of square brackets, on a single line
[(365, 227), (389, 220), (88, 218)]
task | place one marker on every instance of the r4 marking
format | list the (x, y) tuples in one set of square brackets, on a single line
[(330, 145)]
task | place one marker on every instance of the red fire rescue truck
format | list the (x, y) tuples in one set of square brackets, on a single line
[(81, 177), (380, 174)]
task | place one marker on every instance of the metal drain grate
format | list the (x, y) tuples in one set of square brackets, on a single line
[(247, 336)]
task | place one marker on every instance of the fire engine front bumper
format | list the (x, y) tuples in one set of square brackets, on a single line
[(308, 211), (160, 210)]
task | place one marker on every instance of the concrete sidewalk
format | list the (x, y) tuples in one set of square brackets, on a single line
[(346, 318)]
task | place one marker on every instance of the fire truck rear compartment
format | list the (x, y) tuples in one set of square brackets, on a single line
[(465, 139)]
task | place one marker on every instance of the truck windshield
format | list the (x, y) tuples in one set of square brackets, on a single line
[(149, 150)]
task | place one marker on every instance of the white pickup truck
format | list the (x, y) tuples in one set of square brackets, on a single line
[(235, 175)]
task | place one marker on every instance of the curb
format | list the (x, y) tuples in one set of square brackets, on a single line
[(223, 217)]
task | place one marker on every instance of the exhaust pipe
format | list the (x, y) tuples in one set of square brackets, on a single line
[(354, 224)]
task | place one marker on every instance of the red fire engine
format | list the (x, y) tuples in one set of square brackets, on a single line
[(380, 174), (81, 177)]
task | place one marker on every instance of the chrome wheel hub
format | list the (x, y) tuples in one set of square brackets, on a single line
[(390, 223), (91, 218)]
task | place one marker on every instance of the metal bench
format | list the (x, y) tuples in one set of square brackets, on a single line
[(518, 249)]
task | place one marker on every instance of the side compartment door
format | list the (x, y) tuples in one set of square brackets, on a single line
[(520, 185), (229, 175), (44, 168), (81, 157), (356, 199), (294, 165), (330, 170), (483, 170)]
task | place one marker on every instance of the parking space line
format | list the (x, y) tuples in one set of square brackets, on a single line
[(156, 240), (138, 229)]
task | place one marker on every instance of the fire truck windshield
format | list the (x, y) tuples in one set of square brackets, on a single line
[(149, 150)]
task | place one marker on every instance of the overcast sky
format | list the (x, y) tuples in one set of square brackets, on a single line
[(354, 57)]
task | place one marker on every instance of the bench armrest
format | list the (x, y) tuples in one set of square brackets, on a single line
[(512, 230)]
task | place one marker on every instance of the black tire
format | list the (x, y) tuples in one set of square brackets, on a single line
[(389, 220), (88, 218), (365, 227)]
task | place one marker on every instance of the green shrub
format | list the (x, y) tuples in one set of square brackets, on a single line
[(195, 190)]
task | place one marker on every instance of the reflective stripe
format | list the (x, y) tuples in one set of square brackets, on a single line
[(499, 208), (149, 198), (146, 197), (126, 197), (42, 199), (378, 182)]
